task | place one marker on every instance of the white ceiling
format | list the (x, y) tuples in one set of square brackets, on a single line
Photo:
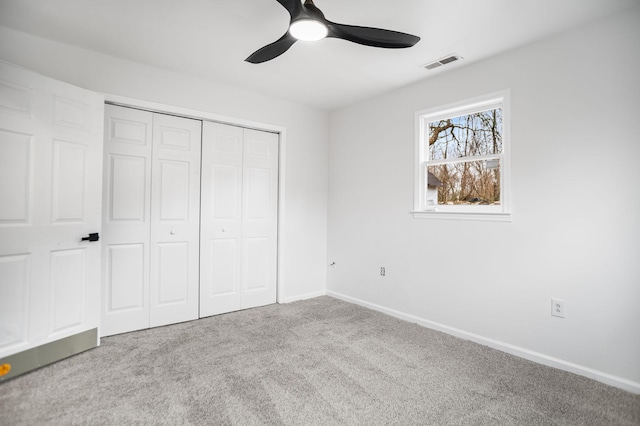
[(211, 38)]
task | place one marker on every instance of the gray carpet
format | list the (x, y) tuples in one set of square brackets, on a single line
[(314, 362)]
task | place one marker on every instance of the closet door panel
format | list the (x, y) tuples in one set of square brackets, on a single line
[(174, 177), (175, 225), (259, 218), (221, 219), (125, 273), (223, 267), (128, 189), (226, 181), (173, 273), (256, 264), (126, 220), (239, 219)]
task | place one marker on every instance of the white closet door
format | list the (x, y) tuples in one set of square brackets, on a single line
[(238, 219), (50, 198), (151, 219), (126, 219), (259, 218), (221, 219), (175, 224)]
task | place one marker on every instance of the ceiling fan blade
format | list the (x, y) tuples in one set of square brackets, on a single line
[(293, 6), (376, 37), (272, 50)]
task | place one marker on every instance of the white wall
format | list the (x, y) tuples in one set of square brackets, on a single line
[(305, 213), (575, 109)]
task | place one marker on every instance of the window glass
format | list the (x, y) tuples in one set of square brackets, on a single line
[(479, 133), (467, 182), (462, 163)]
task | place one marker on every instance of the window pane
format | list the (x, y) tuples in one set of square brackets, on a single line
[(468, 135), (465, 182)]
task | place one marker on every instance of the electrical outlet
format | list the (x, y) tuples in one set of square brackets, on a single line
[(557, 308), (383, 272)]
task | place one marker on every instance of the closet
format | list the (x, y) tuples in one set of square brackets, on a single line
[(238, 240), (189, 219), (151, 214)]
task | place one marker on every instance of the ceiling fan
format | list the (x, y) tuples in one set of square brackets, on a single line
[(309, 24)]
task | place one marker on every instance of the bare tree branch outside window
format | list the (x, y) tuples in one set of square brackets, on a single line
[(454, 142)]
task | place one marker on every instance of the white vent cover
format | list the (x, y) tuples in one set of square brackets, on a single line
[(443, 61)]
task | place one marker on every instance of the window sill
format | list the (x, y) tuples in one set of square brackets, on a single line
[(479, 216)]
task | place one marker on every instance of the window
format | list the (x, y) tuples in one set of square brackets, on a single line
[(462, 161)]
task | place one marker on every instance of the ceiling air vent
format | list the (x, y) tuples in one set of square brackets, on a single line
[(443, 61)]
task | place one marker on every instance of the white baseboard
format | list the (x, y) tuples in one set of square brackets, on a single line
[(302, 296), (540, 358)]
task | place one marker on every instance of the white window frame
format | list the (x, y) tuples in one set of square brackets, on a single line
[(502, 212)]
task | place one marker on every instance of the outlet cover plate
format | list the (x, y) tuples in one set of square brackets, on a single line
[(557, 308)]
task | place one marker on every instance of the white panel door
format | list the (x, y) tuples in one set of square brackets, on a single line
[(238, 219), (221, 219), (50, 198), (175, 219), (126, 219), (259, 218), (151, 219)]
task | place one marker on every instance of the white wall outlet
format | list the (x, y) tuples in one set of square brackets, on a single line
[(557, 308), (383, 271)]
